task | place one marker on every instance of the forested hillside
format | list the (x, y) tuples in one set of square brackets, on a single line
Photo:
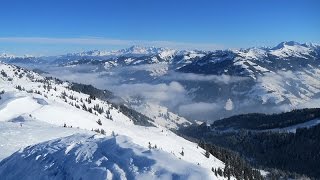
[(290, 152)]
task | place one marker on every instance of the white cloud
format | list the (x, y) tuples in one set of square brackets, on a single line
[(229, 105), (170, 94)]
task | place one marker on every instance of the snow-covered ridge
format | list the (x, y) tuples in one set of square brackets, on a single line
[(83, 156), (293, 49), (11, 56), (259, 56), (138, 55), (282, 50), (132, 51), (6, 56)]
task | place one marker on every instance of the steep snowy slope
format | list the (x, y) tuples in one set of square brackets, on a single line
[(27, 94)]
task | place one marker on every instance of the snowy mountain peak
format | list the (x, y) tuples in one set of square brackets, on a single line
[(286, 43), (292, 49), (5, 55)]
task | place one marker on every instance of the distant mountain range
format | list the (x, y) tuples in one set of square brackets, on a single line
[(284, 50), (258, 79)]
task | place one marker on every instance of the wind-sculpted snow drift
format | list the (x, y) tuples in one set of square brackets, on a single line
[(96, 157)]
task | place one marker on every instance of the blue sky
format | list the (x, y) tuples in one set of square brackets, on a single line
[(58, 26)]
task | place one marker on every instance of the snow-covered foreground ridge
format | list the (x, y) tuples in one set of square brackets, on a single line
[(27, 95), (96, 157)]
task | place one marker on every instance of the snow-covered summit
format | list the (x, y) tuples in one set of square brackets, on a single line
[(292, 49), (286, 43)]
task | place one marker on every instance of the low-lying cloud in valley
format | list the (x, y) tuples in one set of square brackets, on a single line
[(171, 94)]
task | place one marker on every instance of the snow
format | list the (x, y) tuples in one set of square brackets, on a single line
[(192, 54), (110, 64), (161, 115), (288, 49), (297, 87), (243, 64), (15, 107), (128, 60), (263, 172), (136, 51), (24, 131), (5, 56), (166, 54), (294, 128), (252, 53), (83, 156)]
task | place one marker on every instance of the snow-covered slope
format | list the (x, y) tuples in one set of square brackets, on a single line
[(23, 131), (286, 74), (293, 49), (161, 115), (97, 157), (29, 96)]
